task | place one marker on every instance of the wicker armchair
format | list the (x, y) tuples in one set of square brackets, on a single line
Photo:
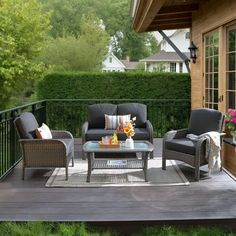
[(40, 153), (177, 147)]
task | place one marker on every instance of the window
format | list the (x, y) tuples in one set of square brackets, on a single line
[(187, 35), (172, 67), (231, 66), (180, 67), (110, 59), (211, 70)]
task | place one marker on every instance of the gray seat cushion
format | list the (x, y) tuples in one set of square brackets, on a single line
[(183, 145), (26, 125), (205, 120), (97, 134), (69, 144), (135, 109), (141, 134), (96, 114)]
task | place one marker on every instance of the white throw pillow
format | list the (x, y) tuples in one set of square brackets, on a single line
[(43, 132), (112, 122)]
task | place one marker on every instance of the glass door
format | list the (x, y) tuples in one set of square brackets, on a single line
[(211, 70), (231, 66)]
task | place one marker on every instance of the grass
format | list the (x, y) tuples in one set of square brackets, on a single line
[(175, 231), (49, 229), (81, 229)]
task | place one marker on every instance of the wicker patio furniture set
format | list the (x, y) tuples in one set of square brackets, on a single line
[(58, 150)]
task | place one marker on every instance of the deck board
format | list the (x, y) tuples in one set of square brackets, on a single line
[(210, 199)]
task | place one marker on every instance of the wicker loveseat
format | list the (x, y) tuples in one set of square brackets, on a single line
[(94, 128), (39, 153)]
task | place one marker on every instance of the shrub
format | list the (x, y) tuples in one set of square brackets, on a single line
[(114, 86), (164, 114)]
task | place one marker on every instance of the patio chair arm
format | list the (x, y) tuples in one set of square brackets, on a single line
[(49, 144), (60, 134), (84, 131), (150, 130), (180, 133), (44, 152)]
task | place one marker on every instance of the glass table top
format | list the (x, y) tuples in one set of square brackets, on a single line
[(139, 146)]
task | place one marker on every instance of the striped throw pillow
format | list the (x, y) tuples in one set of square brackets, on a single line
[(112, 122)]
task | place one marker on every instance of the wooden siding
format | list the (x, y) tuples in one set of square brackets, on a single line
[(211, 15)]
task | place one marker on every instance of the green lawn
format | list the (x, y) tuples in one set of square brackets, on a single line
[(80, 229)]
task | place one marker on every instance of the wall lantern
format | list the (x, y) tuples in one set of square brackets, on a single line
[(193, 49)]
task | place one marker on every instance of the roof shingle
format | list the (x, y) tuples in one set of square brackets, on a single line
[(165, 56)]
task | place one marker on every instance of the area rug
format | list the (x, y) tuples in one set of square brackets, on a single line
[(119, 178)]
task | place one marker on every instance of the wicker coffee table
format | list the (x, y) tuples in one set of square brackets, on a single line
[(124, 161)]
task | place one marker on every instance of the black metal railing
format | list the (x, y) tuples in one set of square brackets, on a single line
[(70, 114), (164, 114), (10, 153)]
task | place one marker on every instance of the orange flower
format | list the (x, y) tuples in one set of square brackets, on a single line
[(129, 129), (126, 130)]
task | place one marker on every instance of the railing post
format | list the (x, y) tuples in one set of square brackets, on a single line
[(44, 112), (33, 109), (1, 146), (12, 138)]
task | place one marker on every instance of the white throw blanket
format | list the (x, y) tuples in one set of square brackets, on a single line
[(212, 148)]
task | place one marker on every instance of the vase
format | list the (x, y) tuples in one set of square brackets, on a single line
[(129, 143)]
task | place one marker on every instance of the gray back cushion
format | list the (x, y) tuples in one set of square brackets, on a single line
[(26, 124), (205, 120), (96, 114), (135, 109)]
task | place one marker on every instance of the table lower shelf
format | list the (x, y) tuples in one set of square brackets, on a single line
[(129, 164)]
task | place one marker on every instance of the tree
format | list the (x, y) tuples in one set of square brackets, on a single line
[(67, 14), (94, 42), (118, 23), (23, 26), (85, 52)]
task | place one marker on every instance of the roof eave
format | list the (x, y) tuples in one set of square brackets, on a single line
[(153, 15), (145, 12)]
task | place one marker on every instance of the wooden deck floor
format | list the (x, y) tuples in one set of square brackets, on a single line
[(210, 199)]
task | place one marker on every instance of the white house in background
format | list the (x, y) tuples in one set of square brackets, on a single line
[(181, 38), (167, 60), (112, 63)]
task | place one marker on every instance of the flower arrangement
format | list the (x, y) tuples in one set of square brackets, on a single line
[(129, 128), (230, 121)]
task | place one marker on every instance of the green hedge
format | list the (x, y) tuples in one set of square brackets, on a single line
[(114, 86)]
